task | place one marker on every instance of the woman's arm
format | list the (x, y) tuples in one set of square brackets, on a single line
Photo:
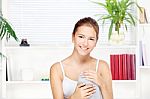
[(106, 85), (56, 77)]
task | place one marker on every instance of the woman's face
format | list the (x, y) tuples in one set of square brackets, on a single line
[(84, 39)]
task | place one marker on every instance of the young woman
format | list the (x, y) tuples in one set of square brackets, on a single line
[(64, 75)]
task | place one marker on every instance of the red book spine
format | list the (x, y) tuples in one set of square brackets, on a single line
[(128, 61), (112, 66), (116, 67), (134, 69), (120, 67), (124, 67), (133, 66)]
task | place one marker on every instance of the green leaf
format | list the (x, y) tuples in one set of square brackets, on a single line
[(110, 30), (3, 32), (126, 27), (131, 18), (128, 20), (106, 17), (11, 31), (130, 3), (6, 29)]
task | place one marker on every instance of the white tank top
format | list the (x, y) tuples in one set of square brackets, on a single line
[(69, 85)]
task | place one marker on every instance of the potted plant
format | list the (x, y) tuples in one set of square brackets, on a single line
[(6, 30), (118, 12)]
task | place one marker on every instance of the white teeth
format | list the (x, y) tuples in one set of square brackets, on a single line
[(83, 48)]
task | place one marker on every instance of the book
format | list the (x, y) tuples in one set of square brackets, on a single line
[(141, 62), (128, 66), (112, 66), (120, 66), (124, 66), (144, 56), (116, 63), (133, 66), (142, 16)]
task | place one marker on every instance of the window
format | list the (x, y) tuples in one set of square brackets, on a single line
[(52, 21)]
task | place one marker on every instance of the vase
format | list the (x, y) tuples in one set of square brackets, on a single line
[(117, 39)]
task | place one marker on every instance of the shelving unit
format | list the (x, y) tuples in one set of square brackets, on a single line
[(143, 36)]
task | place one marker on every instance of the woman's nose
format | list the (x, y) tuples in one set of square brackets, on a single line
[(85, 42)]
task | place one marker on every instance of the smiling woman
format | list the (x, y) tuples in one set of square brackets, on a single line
[(80, 76)]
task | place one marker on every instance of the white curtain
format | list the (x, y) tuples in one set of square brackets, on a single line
[(52, 21)]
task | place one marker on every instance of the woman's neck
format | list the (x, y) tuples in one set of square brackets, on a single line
[(80, 59)]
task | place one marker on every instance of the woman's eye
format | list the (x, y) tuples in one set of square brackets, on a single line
[(92, 39), (80, 36)]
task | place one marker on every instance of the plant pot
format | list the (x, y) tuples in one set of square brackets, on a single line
[(117, 39)]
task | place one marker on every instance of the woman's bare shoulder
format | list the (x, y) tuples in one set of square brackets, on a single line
[(103, 66), (103, 63), (55, 69), (55, 66)]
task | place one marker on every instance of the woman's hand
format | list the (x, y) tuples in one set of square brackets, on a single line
[(83, 91), (93, 76)]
